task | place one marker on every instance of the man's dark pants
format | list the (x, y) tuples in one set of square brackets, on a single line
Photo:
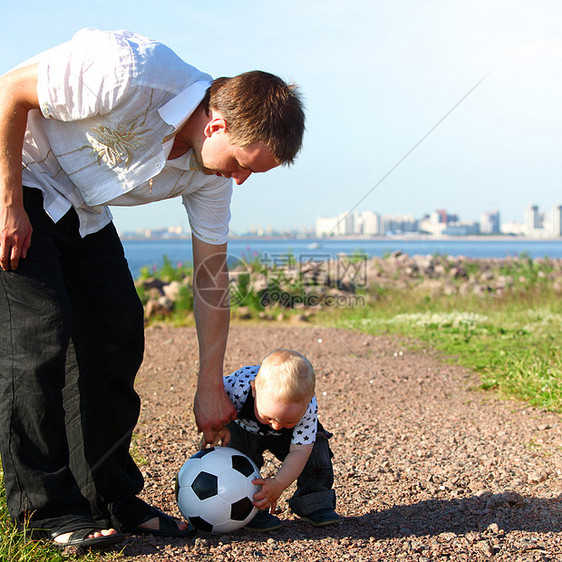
[(71, 342), (314, 485)]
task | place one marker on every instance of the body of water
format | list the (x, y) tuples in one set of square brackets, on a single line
[(149, 253)]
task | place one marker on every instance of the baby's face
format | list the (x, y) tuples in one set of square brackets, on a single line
[(278, 415)]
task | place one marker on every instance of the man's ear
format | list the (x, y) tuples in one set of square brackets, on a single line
[(253, 385), (215, 125)]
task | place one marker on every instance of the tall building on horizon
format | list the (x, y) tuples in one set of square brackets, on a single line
[(398, 224), (532, 219), (490, 222), (326, 226), (556, 221), (342, 225), (367, 223)]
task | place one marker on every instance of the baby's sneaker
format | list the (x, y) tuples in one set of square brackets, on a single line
[(322, 517), (264, 521)]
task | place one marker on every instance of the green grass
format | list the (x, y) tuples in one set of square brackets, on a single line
[(15, 546), (511, 341)]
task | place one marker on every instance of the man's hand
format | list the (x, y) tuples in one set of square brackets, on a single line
[(213, 411), (15, 236), (222, 438), (270, 491)]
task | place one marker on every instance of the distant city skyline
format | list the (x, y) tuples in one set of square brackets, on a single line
[(535, 223)]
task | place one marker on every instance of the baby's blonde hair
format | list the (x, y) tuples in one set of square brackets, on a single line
[(288, 374)]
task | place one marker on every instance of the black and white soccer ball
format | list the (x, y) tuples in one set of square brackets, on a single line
[(214, 490)]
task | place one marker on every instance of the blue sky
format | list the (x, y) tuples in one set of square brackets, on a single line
[(376, 76)]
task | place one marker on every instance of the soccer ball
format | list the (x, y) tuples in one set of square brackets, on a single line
[(214, 490)]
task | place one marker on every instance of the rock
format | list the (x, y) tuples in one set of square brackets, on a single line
[(243, 313), (153, 283), (166, 303), (297, 318), (536, 476), (156, 308), (476, 486), (201, 543), (514, 499), (485, 548), (478, 289), (458, 273), (172, 290)]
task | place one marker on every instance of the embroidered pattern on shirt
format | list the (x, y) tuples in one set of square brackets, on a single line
[(115, 145), (112, 145)]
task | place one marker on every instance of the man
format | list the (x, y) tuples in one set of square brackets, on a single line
[(111, 118)]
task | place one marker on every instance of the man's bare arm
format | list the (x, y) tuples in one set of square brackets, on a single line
[(18, 96), (212, 407)]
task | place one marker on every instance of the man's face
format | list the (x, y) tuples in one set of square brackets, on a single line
[(217, 155)]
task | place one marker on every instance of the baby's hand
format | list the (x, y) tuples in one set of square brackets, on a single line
[(270, 491)]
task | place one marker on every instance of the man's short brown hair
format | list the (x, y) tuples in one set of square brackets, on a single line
[(260, 107)]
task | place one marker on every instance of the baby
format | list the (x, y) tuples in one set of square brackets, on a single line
[(277, 411)]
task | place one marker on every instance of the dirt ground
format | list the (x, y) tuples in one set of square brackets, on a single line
[(428, 467)]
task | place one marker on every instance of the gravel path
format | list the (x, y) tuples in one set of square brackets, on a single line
[(427, 466)]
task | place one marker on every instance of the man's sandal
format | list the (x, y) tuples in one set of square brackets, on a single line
[(132, 514), (167, 526), (79, 538)]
